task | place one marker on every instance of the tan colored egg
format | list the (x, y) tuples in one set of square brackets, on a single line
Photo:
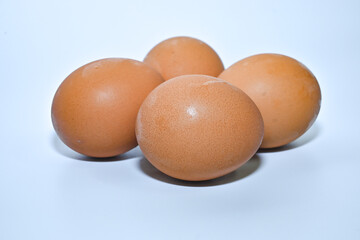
[(184, 55), (94, 109), (197, 127), (286, 92)]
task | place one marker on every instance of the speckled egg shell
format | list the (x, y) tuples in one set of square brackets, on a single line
[(94, 109), (286, 92), (184, 55), (197, 127)]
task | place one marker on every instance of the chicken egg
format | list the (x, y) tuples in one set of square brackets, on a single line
[(184, 55), (286, 92), (197, 127), (94, 109)]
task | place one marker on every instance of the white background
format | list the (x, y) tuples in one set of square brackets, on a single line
[(307, 190)]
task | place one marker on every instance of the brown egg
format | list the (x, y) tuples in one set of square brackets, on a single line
[(286, 92), (94, 110), (197, 127), (184, 55)]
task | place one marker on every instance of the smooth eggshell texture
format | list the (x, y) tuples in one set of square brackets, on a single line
[(94, 109), (184, 55), (197, 127), (286, 92)]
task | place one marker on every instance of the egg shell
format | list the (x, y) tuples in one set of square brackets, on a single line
[(286, 92), (94, 109), (197, 127), (184, 55)]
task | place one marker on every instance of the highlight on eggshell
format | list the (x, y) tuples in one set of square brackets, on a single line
[(95, 108), (286, 92), (184, 55), (197, 127)]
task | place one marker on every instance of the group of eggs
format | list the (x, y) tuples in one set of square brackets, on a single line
[(192, 119)]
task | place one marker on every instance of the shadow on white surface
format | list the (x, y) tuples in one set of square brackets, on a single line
[(64, 150), (247, 169), (308, 137)]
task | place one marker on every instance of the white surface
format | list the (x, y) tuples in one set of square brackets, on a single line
[(309, 190)]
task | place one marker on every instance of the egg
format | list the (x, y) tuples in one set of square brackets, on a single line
[(197, 127), (94, 110), (286, 92), (184, 55)]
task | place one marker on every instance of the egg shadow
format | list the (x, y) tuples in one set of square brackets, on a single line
[(308, 136), (64, 150), (244, 171)]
